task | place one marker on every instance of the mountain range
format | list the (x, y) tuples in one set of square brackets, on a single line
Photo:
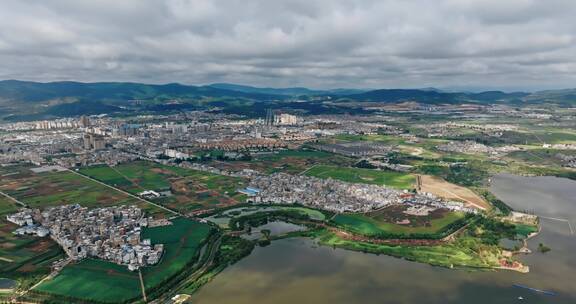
[(22, 100), (296, 91)]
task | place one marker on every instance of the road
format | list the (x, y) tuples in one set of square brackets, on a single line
[(127, 193), (13, 199), (304, 172), (142, 286), (50, 276)]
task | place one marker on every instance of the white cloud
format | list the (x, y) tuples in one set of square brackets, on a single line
[(322, 43)]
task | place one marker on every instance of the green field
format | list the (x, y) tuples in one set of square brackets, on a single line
[(94, 280), (296, 154), (108, 282), (287, 161), (133, 177), (25, 254), (219, 183), (46, 189), (191, 189), (384, 139), (370, 226), (49, 189), (182, 242), (364, 176), (311, 213), (539, 136), (7, 206), (541, 157), (463, 253), (24, 258), (224, 217)]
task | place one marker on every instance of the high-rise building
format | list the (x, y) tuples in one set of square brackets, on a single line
[(93, 142), (126, 130), (84, 121), (87, 142), (286, 119), (98, 142), (269, 117)]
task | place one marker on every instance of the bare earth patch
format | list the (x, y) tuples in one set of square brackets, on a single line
[(444, 189)]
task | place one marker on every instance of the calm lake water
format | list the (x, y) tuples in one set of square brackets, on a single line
[(7, 283), (299, 271), (275, 228)]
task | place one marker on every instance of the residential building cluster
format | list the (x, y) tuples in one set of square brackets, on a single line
[(472, 147), (111, 233), (568, 161), (560, 146), (338, 196), (328, 194), (176, 137), (453, 129), (243, 144)]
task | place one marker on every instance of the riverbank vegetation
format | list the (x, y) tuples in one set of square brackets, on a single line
[(476, 246), (499, 204), (231, 250), (465, 252), (263, 217), (435, 228), (543, 248)]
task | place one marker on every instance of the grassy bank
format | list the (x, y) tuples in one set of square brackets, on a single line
[(369, 226), (463, 253)]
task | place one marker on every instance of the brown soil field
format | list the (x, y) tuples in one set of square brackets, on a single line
[(27, 268), (42, 245), (162, 171), (444, 189), (6, 245)]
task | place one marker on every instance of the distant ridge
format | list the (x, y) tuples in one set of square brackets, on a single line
[(27, 91), (294, 91), (26, 100), (402, 95), (434, 96)]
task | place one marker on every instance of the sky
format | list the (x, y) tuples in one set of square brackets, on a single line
[(452, 44)]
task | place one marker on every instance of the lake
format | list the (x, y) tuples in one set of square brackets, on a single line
[(300, 271)]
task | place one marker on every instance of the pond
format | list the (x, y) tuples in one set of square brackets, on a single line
[(7, 283)]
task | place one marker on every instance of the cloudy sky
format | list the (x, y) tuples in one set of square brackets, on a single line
[(509, 44)]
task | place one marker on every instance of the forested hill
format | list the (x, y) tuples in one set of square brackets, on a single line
[(25, 100), (437, 97), (25, 91)]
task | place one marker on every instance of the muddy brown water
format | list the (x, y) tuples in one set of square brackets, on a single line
[(299, 271)]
